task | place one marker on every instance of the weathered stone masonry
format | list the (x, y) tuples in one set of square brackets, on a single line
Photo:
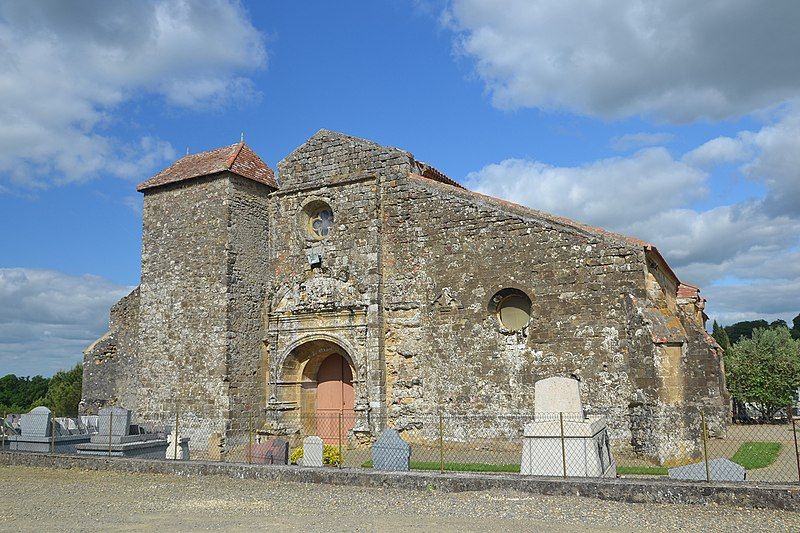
[(240, 302)]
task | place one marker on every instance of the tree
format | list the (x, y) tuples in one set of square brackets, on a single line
[(20, 394), (764, 370), (796, 328), (744, 329), (721, 336), (64, 393)]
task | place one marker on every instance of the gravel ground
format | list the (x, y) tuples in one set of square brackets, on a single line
[(43, 499)]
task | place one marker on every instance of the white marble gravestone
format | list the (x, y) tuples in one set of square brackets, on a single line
[(561, 441), (558, 395), (312, 451), (177, 447)]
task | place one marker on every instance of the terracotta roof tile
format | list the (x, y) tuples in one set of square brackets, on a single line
[(237, 158)]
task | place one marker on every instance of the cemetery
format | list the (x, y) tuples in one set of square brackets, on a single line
[(558, 439)]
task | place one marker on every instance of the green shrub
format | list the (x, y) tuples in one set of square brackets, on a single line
[(296, 455)]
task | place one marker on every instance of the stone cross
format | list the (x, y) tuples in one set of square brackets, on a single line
[(391, 452), (312, 451), (558, 395)]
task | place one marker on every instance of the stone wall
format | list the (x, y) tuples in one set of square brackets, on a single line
[(109, 376), (248, 279), (183, 325)]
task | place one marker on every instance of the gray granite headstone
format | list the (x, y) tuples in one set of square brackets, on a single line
[(312, 451), (117, 425), (720, 469), (390, 452), (36, 423)]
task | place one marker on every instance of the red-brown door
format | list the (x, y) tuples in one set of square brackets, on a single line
[(334, 398)]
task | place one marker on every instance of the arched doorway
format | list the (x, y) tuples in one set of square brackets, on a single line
[(317, 383), (335, 397)]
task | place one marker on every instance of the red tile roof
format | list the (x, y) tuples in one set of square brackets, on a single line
[(237, 158), (432, 173)]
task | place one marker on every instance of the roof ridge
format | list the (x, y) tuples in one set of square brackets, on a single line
[(232, 159)]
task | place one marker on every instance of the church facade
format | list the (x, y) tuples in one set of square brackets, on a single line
[(363, 281)]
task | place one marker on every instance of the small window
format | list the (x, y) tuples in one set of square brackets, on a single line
[(322, 222), (317, 217), (512, 308)]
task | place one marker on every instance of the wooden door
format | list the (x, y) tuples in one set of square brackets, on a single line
[(335, 398)]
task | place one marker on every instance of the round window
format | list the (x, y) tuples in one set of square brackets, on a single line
[(512, 308), (317, 216), (321, 222)]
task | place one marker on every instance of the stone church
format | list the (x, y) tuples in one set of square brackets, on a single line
[(359, 280)]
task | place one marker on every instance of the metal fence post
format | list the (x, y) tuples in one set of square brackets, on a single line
[(441, 443), (341, 458), (175, 439), (563, 446), (705, 444), (52, 433), (110, 425), (4, 432), (796, 451), (250, 440)]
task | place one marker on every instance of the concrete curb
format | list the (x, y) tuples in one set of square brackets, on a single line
[(767, 496)]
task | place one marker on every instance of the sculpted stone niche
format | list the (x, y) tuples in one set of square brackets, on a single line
[(318, 293)]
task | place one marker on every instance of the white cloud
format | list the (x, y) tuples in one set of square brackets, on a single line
[(615, 192), (631, 141), (68, 66), (678, 61), (48, 318), (650, 194)]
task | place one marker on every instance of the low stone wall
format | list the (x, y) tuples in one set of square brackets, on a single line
[(769, 496)]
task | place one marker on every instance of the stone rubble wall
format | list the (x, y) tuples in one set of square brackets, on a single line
[(184, 318)]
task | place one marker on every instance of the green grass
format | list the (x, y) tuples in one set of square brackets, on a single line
[(642, 470), (752, 455), (458, 467)]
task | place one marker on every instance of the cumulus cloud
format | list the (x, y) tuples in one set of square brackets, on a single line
[(48, 318), (615, 192), (649, 194), (68, 66), (677, 61), (631, 141)]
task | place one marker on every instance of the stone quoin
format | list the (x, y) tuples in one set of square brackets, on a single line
[(359, 266)]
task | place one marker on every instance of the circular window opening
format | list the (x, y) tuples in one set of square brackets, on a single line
[(512, 308), (319, 219)]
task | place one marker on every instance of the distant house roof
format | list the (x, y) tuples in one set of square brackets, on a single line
[(237, 158)]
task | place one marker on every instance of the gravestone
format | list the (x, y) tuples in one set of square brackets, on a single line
[(558, 395), (115, 421), (177, 447), (585, 450), (271, 452), (39, 433), (216, 446), (312, 451), (36, 423), (277, 452), (719, 469), (391, 452)]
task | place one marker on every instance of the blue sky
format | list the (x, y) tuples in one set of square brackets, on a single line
[(678, 125)]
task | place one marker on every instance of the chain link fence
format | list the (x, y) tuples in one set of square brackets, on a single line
[(554, 444)]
